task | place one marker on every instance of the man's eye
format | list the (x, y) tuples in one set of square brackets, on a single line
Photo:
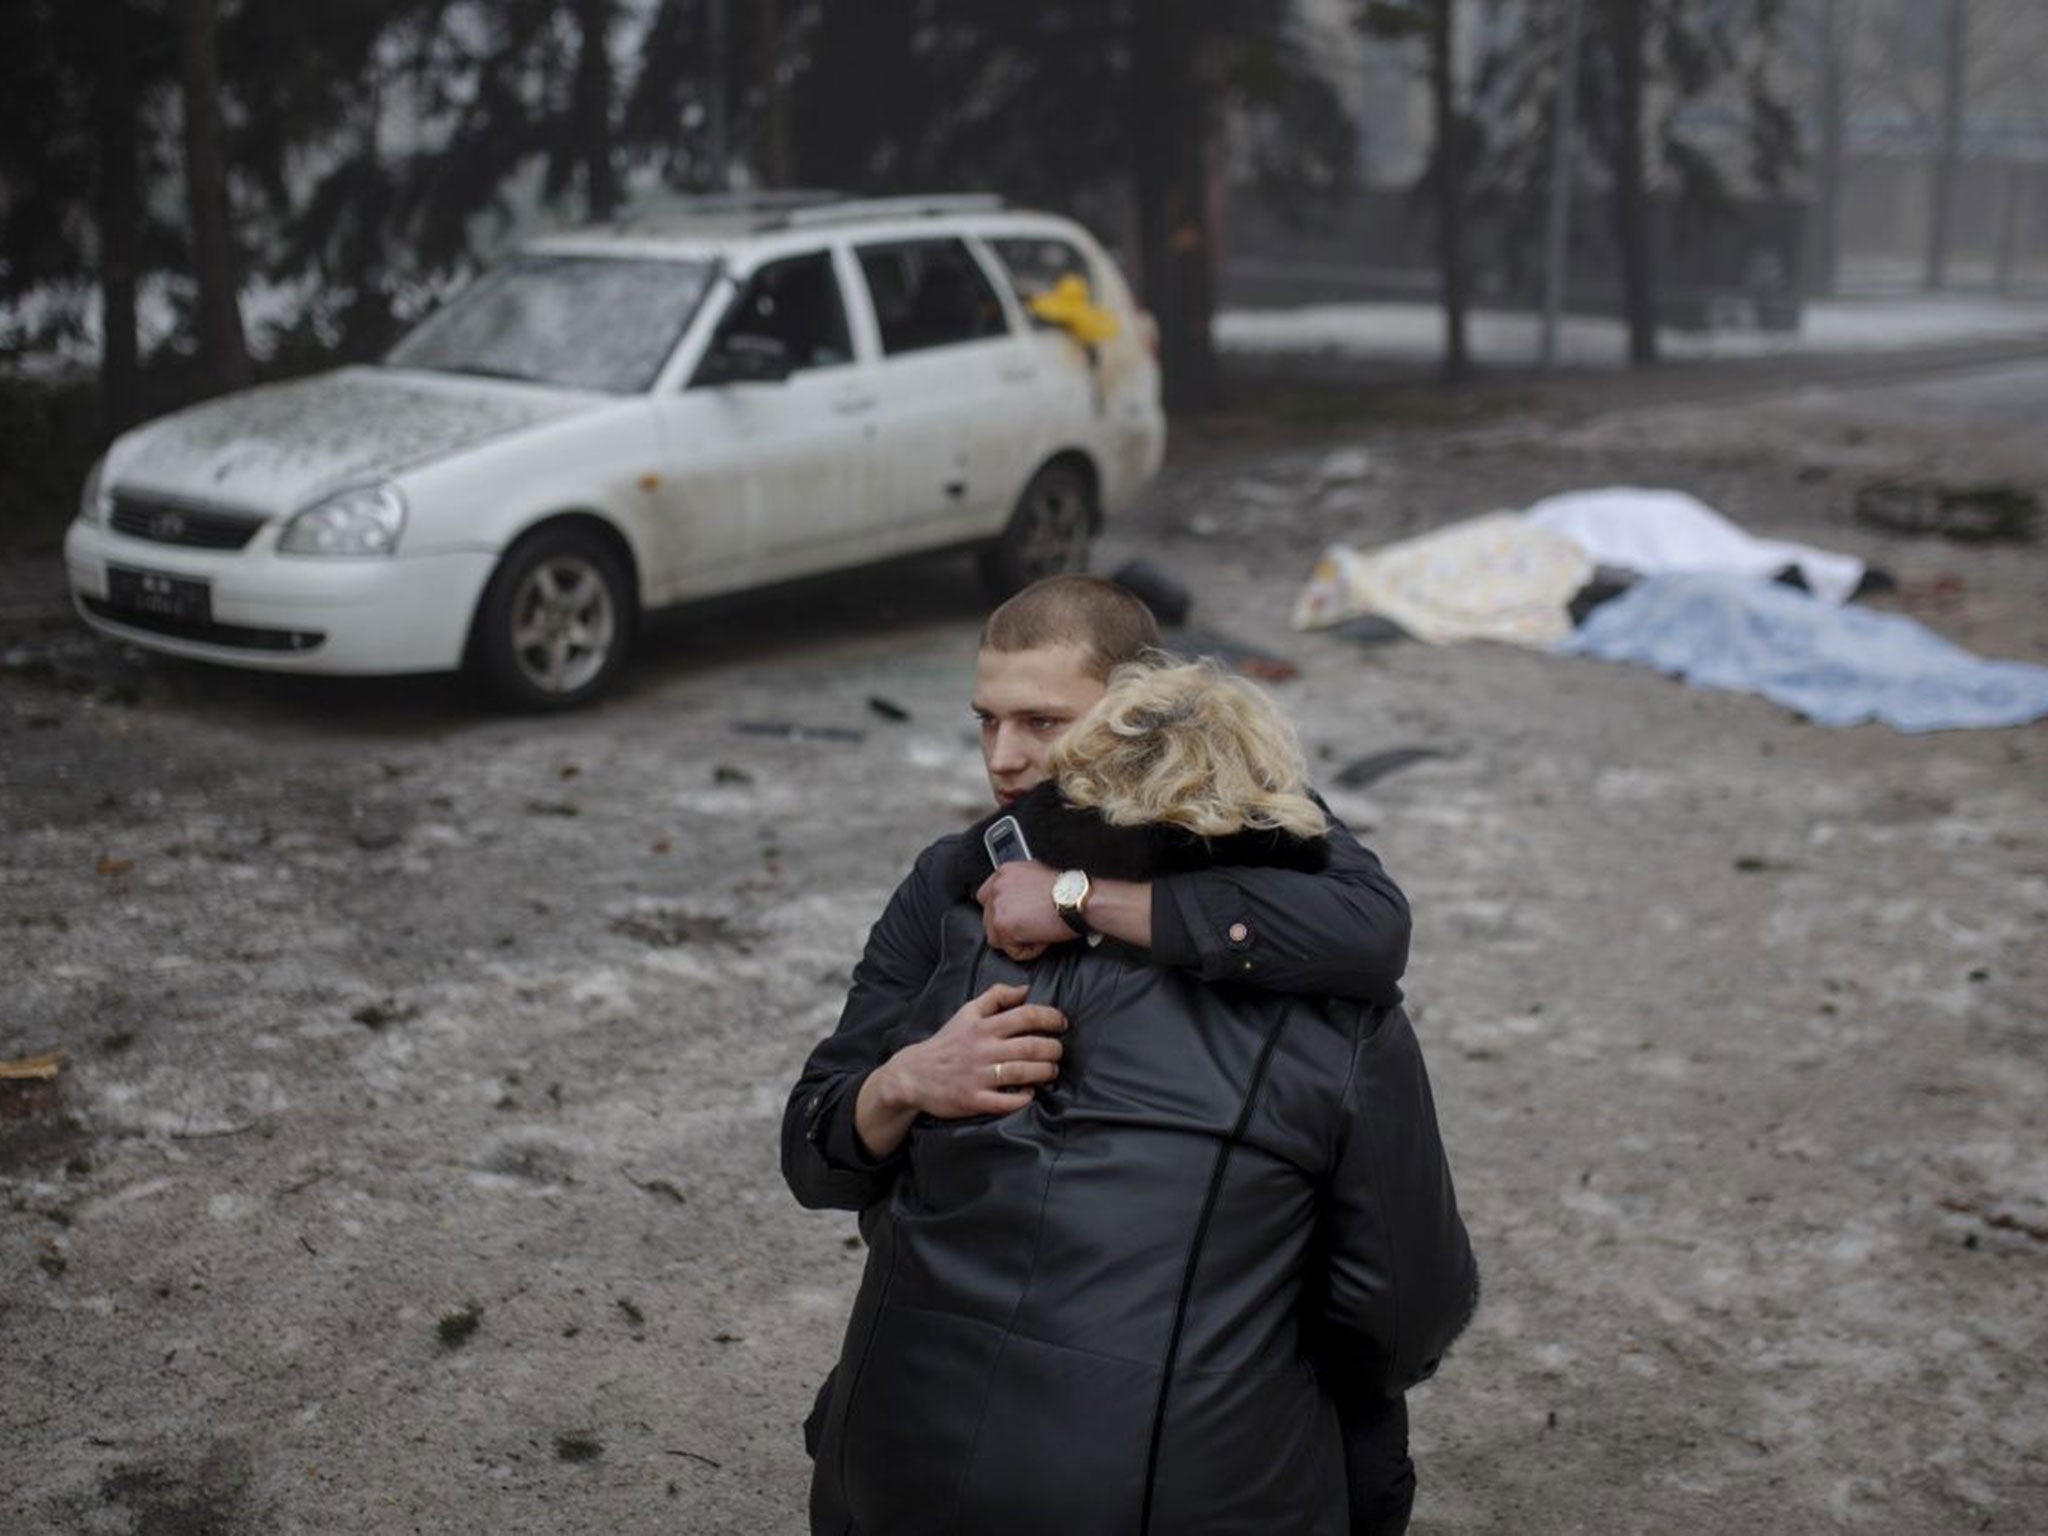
[(1044, 723)]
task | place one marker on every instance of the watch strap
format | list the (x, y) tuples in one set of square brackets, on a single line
[(1072, 916)]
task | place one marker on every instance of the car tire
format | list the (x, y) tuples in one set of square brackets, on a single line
[(556, 622), (1048, 534)]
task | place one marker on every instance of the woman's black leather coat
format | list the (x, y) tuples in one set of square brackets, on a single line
[(1105, 1313)]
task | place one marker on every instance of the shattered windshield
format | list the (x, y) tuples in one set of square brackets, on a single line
[(583, 322)]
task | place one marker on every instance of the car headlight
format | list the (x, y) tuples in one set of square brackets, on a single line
[(95, 502), (365, 521)]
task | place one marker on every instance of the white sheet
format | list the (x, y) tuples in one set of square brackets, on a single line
[(1668, 532)]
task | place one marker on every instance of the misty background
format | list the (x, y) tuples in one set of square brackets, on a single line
[(198, 193)]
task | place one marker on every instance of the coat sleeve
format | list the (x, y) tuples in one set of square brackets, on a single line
[(1341, 932), (1401, 1282), (823, 1160)]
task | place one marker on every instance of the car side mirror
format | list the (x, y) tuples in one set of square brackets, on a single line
[(746, 357)]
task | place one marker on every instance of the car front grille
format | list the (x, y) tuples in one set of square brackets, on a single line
[(242, 637), (162, 521)]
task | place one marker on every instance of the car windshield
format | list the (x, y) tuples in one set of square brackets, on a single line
[(584, 322)]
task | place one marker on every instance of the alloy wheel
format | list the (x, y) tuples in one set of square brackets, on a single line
[(563, 624)]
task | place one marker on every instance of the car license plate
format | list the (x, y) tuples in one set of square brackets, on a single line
[(157, 596)]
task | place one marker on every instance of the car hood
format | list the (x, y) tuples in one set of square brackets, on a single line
[(285, 446)]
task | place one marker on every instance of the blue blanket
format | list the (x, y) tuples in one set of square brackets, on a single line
[(1836, 666)]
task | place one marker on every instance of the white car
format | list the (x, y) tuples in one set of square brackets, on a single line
[(619, 419)]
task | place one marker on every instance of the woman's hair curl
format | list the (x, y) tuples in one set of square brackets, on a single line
[(1187, 745)]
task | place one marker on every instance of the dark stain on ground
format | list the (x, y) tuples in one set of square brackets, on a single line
[(37, 1127), (669, 927), (210, 1501)]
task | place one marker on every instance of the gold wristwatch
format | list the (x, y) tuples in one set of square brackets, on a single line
[(1070, 898)]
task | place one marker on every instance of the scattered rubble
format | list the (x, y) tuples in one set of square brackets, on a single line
[(1977, 514)]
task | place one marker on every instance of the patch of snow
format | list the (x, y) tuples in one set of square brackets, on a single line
[(1410, 332)]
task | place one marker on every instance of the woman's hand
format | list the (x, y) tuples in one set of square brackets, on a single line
[(986, 1060)]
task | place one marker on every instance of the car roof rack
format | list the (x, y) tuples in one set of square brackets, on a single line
[(655, 212), (859, 209)]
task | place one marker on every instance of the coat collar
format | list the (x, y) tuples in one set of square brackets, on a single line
[(1068, 837)]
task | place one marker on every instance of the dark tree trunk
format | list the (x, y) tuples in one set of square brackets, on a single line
[(2011, 212), (1941, 221), (1825, 254), (717, 106), (591, 108), (118, 210), (774, 100), (1450, 191), (1170, 142), (222, 348), (1626, 38)]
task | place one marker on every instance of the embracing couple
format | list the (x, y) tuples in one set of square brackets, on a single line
[(1160, 1226)]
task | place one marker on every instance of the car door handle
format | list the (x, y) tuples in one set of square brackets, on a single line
[(853, 402)]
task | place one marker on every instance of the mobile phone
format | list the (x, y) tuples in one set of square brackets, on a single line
[(1004, 840)]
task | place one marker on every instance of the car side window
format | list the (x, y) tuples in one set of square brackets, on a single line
[(795, 302), (929, 293), (1036, 264)]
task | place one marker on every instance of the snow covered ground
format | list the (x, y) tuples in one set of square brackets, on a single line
[(1413, 332)]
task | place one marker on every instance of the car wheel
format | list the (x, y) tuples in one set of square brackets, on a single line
[(556, 622), (1048, 534)]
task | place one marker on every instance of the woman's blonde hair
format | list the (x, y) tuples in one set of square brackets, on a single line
[(1188, 745)]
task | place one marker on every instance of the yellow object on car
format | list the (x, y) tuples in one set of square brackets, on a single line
[(1067, 305)]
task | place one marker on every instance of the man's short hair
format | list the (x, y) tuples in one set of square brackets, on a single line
[(1109, 623)]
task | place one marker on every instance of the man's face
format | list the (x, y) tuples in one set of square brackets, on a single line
[(1025, 700)]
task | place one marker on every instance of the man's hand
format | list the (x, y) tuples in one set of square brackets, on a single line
[(1017, 913), (986, 1060), (1019, 918)]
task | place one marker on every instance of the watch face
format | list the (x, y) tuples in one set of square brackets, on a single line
[(1069, 888)]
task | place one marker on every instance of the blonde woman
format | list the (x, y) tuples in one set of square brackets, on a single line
[(1137, 1302)]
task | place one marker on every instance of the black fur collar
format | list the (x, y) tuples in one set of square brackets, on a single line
[(1067, 837)]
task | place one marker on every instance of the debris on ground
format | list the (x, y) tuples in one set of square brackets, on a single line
[(1169, 599), (725, 773), (1236, 654), (1345, 466), (564, 808), (375, 827), (109, 865), (41, 1068), (789, 731), (668, 1189), (578, 1445), (384, 1012), (888, 709), (1370, 770), (1371, 629), (667, 926), (455, 1328), (1990, 512)]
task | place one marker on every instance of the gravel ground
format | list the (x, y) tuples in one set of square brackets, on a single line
[(412, 1167)]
